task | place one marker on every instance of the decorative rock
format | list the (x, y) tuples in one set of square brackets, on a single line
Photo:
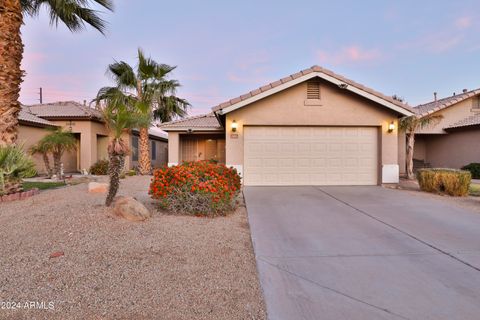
[(97, 187), (130, 209), (56, 254)]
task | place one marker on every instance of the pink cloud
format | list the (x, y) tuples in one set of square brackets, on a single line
[(463, 22), (348, 55)]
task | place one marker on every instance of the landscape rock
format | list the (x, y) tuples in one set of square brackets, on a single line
[(130, 209), (97, 187)]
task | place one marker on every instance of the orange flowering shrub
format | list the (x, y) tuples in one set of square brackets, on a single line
[(199, 188)]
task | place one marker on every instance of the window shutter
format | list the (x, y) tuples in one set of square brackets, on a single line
[(313, 89)]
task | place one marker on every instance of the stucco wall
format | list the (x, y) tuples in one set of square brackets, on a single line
[(338, 108), (31, 135), (173, 148), (451, 115), (452, 150)]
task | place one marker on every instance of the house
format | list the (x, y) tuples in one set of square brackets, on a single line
[(89, 129), (313, 127), (453, 141)]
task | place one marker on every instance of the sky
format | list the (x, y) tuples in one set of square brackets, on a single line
[(223, 49)]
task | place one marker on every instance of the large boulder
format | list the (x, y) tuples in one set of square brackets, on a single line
[(130, 209), (97, 187)]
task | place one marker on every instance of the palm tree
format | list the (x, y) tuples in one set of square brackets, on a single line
[(75, 14), (56, 143), (14, 166), (155, 97), (411, 125), (119, 116), (43, 150)]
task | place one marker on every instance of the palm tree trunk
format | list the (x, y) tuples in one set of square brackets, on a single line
[(47, 164), (57, 160), (11, 52), (115, 167), (410, 146), (144, 149)]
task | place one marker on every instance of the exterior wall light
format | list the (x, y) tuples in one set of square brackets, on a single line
[(391, 127), (234, 126)]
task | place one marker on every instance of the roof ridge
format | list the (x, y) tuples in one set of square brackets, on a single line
[(446, 98), (189, 118), (314, 68)]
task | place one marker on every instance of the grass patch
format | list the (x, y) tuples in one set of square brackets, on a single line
[(28, 185), (474, 190)]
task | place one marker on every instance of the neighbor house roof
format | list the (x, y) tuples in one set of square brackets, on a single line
[(467, 122), (65, 109), (154, 133), (28, 118), (440, 104), (204, 122), (304, 75)]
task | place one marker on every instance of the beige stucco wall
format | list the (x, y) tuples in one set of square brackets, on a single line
[(451, 115), (338, 108), (29, 136), (402, 152), (452, 150), (173, 148), (420, 148)]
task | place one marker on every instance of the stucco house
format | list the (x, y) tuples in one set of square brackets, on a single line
[(452, 142), (313, 127), (89, 129)]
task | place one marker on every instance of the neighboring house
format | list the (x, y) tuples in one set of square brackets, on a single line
[(311, 128), (89, 129), (454, 141)]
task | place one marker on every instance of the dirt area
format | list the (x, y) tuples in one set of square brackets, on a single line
[(411, 186), (168, 267)]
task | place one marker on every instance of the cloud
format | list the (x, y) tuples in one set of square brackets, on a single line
[(463, 22), (353, 54)]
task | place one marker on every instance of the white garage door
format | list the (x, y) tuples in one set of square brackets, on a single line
[(310, 156)]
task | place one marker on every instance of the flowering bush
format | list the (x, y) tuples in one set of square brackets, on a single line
[(199, 188)]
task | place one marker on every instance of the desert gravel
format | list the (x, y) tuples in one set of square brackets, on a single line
[(168, 267)]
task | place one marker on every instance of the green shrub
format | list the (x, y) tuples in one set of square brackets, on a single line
[(131, 173), (197, 188), (99, 168), (474, 169), (448, 181), (15, 165)]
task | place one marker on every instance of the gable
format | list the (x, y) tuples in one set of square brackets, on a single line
[(291, 106), (308, 74)]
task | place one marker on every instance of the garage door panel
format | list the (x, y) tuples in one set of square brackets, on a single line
[(310, 156)]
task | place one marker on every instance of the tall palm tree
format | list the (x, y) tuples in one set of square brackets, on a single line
[(411, 125), (75, 14), (57, 143), (120, 116), (155, 96)]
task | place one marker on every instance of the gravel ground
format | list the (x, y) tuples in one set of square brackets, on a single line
[(168, 267)]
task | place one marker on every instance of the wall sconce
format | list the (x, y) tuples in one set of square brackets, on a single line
[(391, 127), (234, 126)]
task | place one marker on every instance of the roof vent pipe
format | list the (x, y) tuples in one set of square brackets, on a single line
[(435, 96)]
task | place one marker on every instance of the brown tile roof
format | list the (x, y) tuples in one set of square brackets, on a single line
[(440, 104), (201, 121), (305, 72), (65, 109), (467, 122), (27, 117)]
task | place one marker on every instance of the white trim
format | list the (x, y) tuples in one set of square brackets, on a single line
[(306, 77), (390, 173), (171, 164)]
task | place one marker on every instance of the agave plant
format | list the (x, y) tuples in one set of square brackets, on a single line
[(15, 165)]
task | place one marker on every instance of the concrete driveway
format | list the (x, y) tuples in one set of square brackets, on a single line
[(364, 253)]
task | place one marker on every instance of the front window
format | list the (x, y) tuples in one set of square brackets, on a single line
[(154, 150)]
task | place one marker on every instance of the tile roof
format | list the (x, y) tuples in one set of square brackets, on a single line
[(26, 116), (201, 121), (440, 104), (305, 72), (469, 121), (65, 109), (155, 132)]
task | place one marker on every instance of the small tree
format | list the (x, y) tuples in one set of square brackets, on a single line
[(56, 143), (411, 125), (43, 150), (119, 116)]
